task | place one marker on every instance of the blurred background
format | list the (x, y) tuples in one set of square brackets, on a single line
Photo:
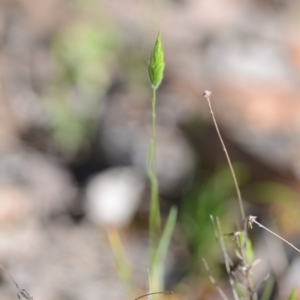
[(75, 113)]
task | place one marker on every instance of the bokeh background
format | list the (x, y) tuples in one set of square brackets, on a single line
[(75, 113)]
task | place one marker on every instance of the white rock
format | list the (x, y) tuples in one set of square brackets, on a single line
[(113, 196)]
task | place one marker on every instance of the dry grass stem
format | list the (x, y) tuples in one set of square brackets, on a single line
[(252, 219), (217, 238), (207, 95), (150, 294), (213, 281), (228, 262), (22, 292), (262, 282)]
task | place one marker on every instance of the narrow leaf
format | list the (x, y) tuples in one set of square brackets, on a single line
[(247, 245), (249, 251), (157, 265), (123, 267), (266, 295)]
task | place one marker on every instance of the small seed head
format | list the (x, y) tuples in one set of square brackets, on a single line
[(206, 94)]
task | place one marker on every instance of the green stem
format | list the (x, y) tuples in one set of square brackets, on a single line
[(154, 220), (154, 130)]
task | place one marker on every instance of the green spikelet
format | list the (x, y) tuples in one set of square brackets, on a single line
[(156, 63)]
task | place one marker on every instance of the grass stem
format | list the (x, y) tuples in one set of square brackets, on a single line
[(154, 219), (252, 220), (206, 95), (213, 281)]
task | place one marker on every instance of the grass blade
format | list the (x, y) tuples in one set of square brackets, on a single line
[(157, 265)]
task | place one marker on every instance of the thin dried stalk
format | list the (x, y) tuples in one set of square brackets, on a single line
[(252, 219), (227, 261), (22, 292), (155, 293), (207, 95), (213, 281)]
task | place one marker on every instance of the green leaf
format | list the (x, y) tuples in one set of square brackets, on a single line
[(166, 236), (293, 295), (249, 253), (266, 295), (157, 265), (156, 64)]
